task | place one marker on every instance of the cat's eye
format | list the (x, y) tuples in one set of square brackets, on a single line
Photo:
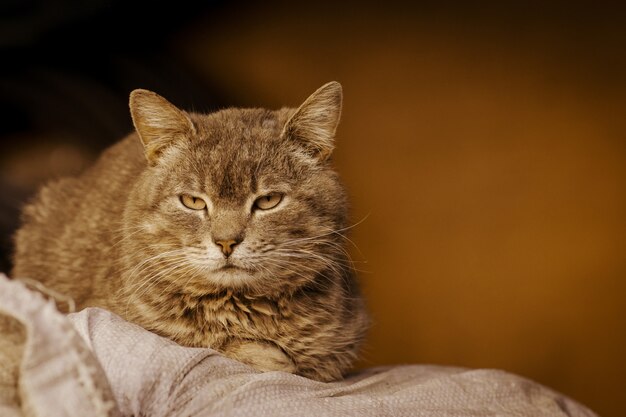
[(191, 202), (268, 201)]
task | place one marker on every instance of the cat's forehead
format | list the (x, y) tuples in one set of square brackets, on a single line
[(239, 151), (235, 121), (239, 136)]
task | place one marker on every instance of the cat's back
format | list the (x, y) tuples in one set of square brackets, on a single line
[(68, 225)]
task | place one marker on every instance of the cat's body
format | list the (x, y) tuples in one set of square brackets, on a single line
[(220, 230)]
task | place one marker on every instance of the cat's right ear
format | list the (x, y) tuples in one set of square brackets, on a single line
[(314, 123), (158, 122)]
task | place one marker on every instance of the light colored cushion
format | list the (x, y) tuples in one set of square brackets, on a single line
[(152, 376)]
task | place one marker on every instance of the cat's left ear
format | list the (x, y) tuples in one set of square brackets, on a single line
[(158, 122), (314, 124)]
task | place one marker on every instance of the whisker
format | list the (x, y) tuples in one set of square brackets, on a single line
[(147, 260), (148, 282), (331, 231), (138, 229)]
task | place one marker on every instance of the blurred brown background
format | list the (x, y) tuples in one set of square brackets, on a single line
[(484, 147)]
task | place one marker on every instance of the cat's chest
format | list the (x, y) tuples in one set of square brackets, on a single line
[(241, 314), (213, 321)]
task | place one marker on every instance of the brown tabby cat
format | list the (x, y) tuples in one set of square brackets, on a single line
[(221, 230)]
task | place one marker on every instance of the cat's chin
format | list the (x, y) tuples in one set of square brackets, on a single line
[(232, 277)]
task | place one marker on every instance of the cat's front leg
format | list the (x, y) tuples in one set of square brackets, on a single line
[(261, 355)]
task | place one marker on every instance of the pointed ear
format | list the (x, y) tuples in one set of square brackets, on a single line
[(314, 124), (158, 122)]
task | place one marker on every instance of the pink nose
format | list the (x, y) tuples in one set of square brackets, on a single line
[(227, 246)]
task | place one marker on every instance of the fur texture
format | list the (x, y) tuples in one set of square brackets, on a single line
[(222, 230)]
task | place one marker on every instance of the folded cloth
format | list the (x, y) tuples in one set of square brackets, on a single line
[(57, 374), (118, 368)]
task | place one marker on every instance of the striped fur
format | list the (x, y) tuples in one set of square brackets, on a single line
[(119, 236)]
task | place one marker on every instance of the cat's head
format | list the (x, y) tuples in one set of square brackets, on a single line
[(244, 199)]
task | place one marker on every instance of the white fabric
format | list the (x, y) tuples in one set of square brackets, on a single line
[(58, 374), (152, 376)]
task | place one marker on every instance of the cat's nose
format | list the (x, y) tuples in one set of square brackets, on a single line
[(227, 245)]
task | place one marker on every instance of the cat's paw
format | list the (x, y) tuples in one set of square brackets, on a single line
[(261, 356)]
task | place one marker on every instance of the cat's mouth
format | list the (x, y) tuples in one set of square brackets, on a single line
[(229, 265)]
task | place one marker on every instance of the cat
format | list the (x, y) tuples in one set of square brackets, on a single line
[(221, 230)]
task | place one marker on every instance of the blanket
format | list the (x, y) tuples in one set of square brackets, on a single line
[(93, 363)]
